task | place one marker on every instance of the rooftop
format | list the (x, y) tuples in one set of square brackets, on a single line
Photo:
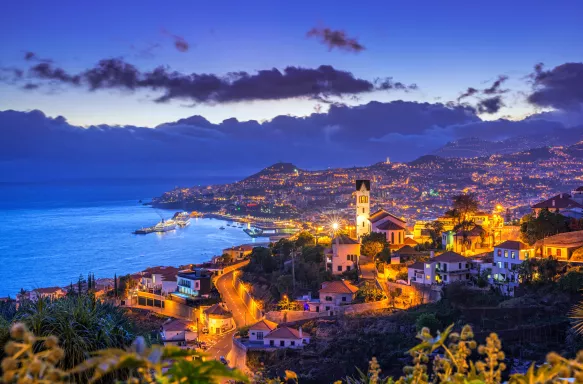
[(175, 326), (567, 239), (264, 325), (344, 239), (513, 244), (338, 286), (390, 226), (285, 333), (381, 214), (449, 257), (218, 310), (562, 200)]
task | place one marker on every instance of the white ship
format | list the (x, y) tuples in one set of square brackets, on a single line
[(182, 219), (165, 226)]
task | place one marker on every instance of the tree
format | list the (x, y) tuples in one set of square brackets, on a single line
[(227, 258), (375, 236), (371, 248), (465, 204), (115, 288), (80, 283), (464, 227), (305, 238), (435, 230), (533, 227), (428, 320), (285, 304), (370, 292)]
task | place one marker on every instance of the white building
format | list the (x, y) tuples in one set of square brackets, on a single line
[(259, 330), (362, 208), (217, 319), (345, 255), (286, 337), (392, 226), (160, 278), (507, 257), (333, 294), (177, 332), (446, 268)]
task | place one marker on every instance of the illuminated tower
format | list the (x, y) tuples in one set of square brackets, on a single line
[(362, 208)]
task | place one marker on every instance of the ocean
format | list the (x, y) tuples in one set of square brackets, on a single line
[(50, 233)]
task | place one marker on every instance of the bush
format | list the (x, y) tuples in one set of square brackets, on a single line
[(571, 282), (428, 320)]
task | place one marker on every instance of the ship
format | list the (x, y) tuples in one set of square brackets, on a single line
[(165, 226), (144, 231), (182, 219)]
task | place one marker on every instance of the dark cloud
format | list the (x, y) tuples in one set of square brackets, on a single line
[(490, 105), (560, 87), (272, 84), (179, 42), (336, 39), (495, 88), (469, 92), (30, 86), (31, 56)]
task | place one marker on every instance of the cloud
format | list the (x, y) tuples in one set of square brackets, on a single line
[(180, 42), (320, 83), (336, 39), (495, 88), (490, 105), (469, 92), (31, 56), (560, 87)]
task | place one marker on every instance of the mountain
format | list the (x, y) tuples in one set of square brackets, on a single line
[(477, 147), (277, 168)]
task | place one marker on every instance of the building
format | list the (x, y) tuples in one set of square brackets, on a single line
[(446, 268), (51, 293), (344, 256), (217, 319), (562, 202), (333, 294), (561, 246), (261, 329), (392, 226), (362, 208), (238, 253), (177, 332), (286, 337), (160, 278), (404, 254), (507, 257), (194, 283)]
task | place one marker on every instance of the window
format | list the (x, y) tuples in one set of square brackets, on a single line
[(259, 335), (340, 268), (392, 237), (428, 277), (505, 253), (506, 265), (526, 255), (348, 267), (363, 199), (327, 308), (328, 298), (363, 211), (513, 255), (293, 343), (427, 265), (459, 266), (400, 237), (559, 252), (282, 343), (499, 253), (348, 257), (343, 298), (363, 224), (271, 343), (499, 264), (444, 277), (549, 252)]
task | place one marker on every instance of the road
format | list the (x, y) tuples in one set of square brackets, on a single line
[(367, 268), (242, 317)]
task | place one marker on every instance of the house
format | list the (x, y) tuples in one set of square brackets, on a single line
[(562, 202), (446, 268), (47, 293), (238, 253), (392, 226), (217, 318), (560, 246), (333, 294), (345, 254), (194, 283), (177, 332), (160, 279), (507, 257), (403, 254), (286, 337), (471, 241), (260, 329)]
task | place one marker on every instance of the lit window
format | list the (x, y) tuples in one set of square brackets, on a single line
[(558, 252), (506, 254), (526, 255), (499, 252), (428, 265), (513, 255), (428, 277)]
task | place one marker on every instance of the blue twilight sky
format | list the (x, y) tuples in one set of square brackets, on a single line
[(442, 46)]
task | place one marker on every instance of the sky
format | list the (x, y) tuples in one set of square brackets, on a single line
[(199, 87), (443, 47)]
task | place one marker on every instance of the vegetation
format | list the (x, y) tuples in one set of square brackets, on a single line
[(435, 229), (428, 320), (369, 292), (533, 227), (39, 360)]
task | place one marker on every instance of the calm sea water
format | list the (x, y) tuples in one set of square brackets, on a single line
[(52, 232)]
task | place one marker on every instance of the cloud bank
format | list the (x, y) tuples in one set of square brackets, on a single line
[(36, 146)]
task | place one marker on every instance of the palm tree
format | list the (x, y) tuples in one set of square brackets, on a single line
[(435, 230), (464, 227), (465, 204)]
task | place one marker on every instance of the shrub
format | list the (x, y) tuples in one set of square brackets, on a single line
[(428, 320)]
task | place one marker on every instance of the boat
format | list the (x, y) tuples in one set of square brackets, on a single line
[(182, 219), (254, 232), (165, 226), (222, 227), (144, 231)]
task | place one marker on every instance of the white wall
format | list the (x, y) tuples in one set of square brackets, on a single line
[(335, 298), (287, 343), (340, 257)]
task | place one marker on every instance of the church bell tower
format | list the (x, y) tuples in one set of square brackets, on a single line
[(362, 208)]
